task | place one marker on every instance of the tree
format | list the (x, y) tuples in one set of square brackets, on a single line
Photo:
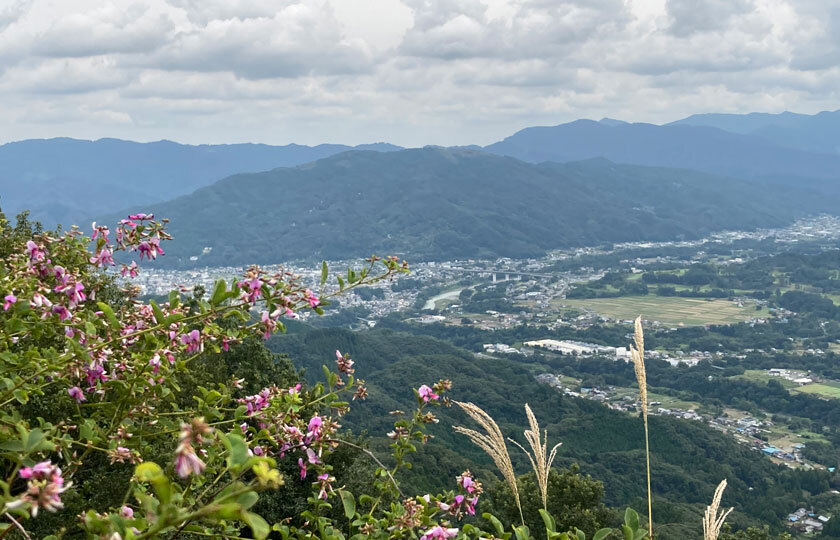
[(573, 499)]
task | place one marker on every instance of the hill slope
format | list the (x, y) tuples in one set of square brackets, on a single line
[(435, 203), (701, 148), (688, 459), (65, 180)]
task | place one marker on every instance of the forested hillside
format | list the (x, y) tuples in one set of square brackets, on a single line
[(436, 203), (688, 459)]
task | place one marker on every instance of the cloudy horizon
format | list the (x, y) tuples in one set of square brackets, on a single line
[(408, 72)]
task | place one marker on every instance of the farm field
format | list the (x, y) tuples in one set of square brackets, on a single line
[(761, 376), (670, 310), (828, 389)]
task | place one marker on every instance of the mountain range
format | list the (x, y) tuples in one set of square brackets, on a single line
[(569, 184), (69, 180), (437, 203), (813, 133)]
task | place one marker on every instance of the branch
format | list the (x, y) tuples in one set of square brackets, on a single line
[(374, 458)]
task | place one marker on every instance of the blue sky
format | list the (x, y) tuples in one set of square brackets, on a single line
[(411, 72)]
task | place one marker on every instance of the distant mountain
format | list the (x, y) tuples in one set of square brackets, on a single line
[(436, 203), (66, 180), (814, 133), (701, 148)]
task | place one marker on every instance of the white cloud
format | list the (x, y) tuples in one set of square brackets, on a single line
[(409, 71)]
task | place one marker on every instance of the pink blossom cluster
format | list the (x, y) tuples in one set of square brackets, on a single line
[(186, 461), (44, 486)]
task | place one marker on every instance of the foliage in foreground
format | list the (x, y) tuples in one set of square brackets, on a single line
[(92, 379)]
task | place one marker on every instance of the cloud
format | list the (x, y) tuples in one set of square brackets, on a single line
[(300, 39), (691, 16), (409, 71)]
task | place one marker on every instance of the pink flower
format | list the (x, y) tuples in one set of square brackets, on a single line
[(314, 428), (39, 300), (35, 252), (427, 394), (127, 512), (471, 505), (150, 248), (104, 257), (467, 483), (155, 363), (345, 365), (62, 312), (10, 299), (252, 288), (74, 293), (302, 467), (439, 532), (312, 299), (141, 216), (43, 490), (193, 341), (130, 270), (99, 231), (186, 462), (269, 325), (77, 394)]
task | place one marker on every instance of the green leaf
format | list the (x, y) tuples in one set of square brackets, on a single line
[(159, 317), (172, 317), (152, 473), (500, 529), (35, 440), (228, 511), (249, 499), (174, 299), (259, 527), (21, 395), (348, 502), (548, 520), (219, 293), (522, 532), (238, 450), (601, 534), (631, 519), (340, 283), (324, 272), (109, 315)]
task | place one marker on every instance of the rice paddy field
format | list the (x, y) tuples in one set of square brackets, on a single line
[(670, 310)]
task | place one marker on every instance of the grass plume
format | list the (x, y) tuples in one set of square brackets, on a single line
[(493, 443), (637, 354), (541, 459), (712, 521)]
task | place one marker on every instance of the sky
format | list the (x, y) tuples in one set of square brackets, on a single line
[(409, 72)]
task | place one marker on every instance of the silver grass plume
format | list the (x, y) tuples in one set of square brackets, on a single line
[(541, 459), (637, 354), (493, 444), (712, 521)]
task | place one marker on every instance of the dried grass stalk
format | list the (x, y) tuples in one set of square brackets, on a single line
[(541, 459), (637, 354), (712, 522), (493, 443)]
